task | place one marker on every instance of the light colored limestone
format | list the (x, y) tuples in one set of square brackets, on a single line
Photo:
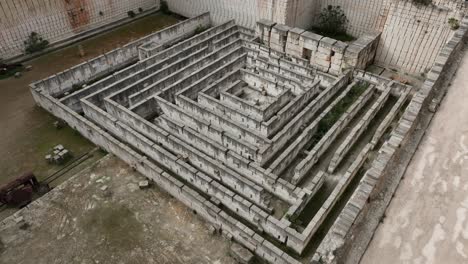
[(224, 121)]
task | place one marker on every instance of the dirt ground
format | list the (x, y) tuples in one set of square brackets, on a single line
[(427, 221), (26, 131), (101, 216)]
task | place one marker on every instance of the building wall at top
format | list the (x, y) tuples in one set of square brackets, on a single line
[(245, 12), (412, 35), (303, 13), (58, 20)]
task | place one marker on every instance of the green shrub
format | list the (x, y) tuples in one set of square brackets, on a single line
[(164, 8), (35, 43), (337, 111), (332, 20), (200, 29), (131, 14), (422, 2), (8, 70), (454, 23)]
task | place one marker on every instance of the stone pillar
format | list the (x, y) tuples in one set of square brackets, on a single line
[(324, 54), (310, 42), (338, 51), (263, 30), (294, 45), (279, 37), (361, 53)]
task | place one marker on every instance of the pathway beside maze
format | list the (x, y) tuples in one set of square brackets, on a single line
[(101, 216), (426, 221)]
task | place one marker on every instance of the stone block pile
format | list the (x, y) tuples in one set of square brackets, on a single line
[(58, 155)]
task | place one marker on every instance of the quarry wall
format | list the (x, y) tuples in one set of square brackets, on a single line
[(412, 35), (58, 20)]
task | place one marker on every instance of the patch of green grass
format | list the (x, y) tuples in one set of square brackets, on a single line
[(30, 147), (422, 2), (345, 37), (200, 29), (164, 8), (35, 43), (454, 23), (338, 110), (11, 72)]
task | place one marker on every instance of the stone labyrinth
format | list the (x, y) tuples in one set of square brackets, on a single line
[(267, 144)]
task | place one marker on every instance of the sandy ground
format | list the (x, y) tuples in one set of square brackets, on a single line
[(427, 221), (26, 131), (101, 216)]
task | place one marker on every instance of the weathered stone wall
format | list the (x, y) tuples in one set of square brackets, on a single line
[(358, 130), (244, 12), (208, 209), (58, 20), (322, 53), (412, 35), (313, 156), (302, 13)]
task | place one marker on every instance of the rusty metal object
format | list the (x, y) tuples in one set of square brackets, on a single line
[(19, 191)]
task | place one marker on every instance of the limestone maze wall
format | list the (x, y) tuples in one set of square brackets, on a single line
[(323, 53), (58, 20), (241, 132), (347, 227)]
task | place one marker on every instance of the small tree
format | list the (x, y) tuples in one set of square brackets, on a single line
[(35, 43), (454, 23), (422, 2), (131, 14), (200, 29), (332, 20), (164, 8)]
